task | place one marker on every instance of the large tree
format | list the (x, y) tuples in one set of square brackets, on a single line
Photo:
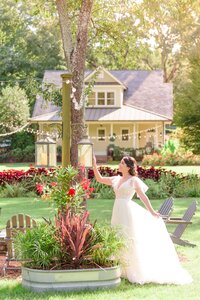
[(14, 109), (171, 27), (117, 34), (29, 43), (187, 105), (75, 49)]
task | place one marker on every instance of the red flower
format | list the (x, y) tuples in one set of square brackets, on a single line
[(85, 184), (53, 183), (40, 188), (71, 192)]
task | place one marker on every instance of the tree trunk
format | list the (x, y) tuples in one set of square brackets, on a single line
[(78, 69), (75, 58), (65, 26)]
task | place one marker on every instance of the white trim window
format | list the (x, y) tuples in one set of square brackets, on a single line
[(125, 134), (101, 98), (92, 99), (101, 134)]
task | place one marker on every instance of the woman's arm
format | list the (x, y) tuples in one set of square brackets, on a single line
[(99, 178), (145, 199)]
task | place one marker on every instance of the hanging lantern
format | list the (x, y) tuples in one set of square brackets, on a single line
[(85, 152), (45, 152)]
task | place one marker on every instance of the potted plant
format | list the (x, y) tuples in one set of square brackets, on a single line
[(70, 252)]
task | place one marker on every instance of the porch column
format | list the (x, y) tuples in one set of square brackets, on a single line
[(134, 136), (88, 130), (137, 139), (41, 129), (163, 133), (156, 137), (111, 129)]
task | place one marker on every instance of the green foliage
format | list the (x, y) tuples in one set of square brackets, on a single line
[(176, 186), (169, 182), (29, 153), (190, 187), (170, 146), (51, 93), (19, 155), (14, 107), (22, 140), (102, 191), (107, 246), (29, 43), (70, 188), (13, 190), (38, 248), (119, 152), (187, 106), (155, 190), (74, 243)]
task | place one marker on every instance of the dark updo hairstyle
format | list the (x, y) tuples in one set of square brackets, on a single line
[(131, 164)]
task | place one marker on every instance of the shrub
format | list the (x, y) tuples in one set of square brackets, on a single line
[(29, 153), (74, 234), (155, 190), (171, 159), (38, 248), (17, 154), (102, 191), (189, 187), (22, 139), (70, 188), (73, 242), (13, 190), (143, 173), (107, 245)]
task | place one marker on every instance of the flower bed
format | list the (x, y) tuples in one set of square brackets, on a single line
[(171, 159)]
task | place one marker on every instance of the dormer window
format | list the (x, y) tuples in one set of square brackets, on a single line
[(101, 98)]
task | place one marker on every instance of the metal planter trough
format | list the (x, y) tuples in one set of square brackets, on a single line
[(62, 280)]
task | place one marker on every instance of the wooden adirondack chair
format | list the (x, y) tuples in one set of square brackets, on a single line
[(17, 223), (166, 208), (179, 230)]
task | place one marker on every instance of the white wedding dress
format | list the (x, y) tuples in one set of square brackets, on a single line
[(149, 255)]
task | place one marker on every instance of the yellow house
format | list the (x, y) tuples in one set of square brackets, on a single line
[(126, 108)]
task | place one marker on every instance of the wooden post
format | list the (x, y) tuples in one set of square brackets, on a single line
[(66, 119)]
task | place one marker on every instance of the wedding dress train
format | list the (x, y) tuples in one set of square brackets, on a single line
[(149, 255)]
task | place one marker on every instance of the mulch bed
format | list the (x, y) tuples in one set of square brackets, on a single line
[(13, 272)]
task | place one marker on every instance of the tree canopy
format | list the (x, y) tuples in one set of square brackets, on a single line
[(14, 108), (187, 105), (118, 34)]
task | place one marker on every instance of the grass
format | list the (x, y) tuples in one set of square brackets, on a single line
[(101, 210), (31, 206), (16, 166)]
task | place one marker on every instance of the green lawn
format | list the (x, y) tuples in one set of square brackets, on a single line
[(101, 210), (16, 166)]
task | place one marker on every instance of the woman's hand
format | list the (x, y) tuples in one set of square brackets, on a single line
[(94, 161), (155, 214)]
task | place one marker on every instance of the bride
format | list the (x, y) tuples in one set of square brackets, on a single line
[(149, 255)]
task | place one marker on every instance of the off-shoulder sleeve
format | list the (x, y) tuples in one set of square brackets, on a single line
[(114, 180), (139, 184)]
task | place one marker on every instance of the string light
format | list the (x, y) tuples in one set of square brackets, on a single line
[(134, 134), (57, 135), (29, 130), (18, 80)]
